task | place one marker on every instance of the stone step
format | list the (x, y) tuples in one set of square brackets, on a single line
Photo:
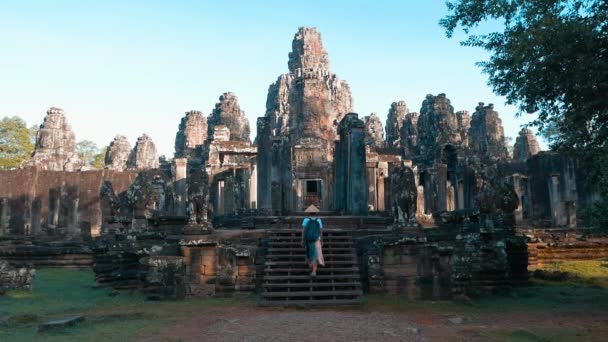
[(313, 302), (326, 256), (341, 244), (275, 250), (313, 284), (303, 263), (299, 238), (308, 277), (321, 270), (293, 294)]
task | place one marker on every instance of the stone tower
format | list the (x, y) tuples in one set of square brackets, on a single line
[(303, 109), (227, 112), (409, 135), (191, 135), (117, 154), (55, 147), (374, 134), (394, 122), (486, 135), (438, 127), (143, 155), (526, 146)]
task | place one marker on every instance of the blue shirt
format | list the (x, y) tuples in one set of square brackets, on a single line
[(308, 219)]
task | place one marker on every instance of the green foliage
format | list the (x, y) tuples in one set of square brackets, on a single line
[(99, 160), (16, 144), (550, 58), (88, 151), (596, 167)]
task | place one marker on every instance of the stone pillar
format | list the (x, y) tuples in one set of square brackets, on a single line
[(442, 178), (382, 174), (264, 164), (220, 197), (372, 180), (340, 176), (253, 185), (351, 159), (554, 200), (4, 216), (36, 216), (73, 226), (450, 196), (181, 186), (460, 197)]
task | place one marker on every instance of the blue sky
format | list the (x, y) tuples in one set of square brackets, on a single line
[(132, 67)]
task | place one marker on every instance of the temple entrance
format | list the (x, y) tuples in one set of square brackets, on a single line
[(313, 193)]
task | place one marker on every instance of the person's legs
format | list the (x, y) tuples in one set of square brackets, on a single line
[(314, 269)]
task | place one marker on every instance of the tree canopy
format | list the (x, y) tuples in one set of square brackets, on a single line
[(550, 58), (16, 142), (90, 154)]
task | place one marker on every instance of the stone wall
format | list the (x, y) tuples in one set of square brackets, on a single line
[(15, 279), (55, 203)]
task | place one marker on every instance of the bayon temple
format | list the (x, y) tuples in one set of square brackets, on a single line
[(432, 205)]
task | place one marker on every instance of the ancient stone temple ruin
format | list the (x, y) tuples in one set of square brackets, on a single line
[(434, 208), (296, 136), (55, 148)]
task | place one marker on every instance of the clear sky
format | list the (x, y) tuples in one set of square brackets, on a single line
[(132, 67)]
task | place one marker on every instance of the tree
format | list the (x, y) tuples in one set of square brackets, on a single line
[(15, 142), (99, 160), (88, 151), (550, 57)]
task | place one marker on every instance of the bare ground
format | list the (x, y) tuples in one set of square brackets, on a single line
[(268, 324)]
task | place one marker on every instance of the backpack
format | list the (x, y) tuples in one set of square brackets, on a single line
[(312, 230)]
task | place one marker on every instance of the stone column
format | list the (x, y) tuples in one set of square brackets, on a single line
[(460, 195), (442, 178), (220, 197), (382, 174), (372, 180), (253, 185), (554, 199), (351, 159), (4, 216), (181, 186), (264, 164)]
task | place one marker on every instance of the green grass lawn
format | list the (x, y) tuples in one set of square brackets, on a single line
[(122, 316), (61, 293), (591, 272)]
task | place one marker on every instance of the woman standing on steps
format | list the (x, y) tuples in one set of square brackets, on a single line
[(311, 240)]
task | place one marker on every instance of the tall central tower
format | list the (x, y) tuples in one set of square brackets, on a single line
[(297, 134)]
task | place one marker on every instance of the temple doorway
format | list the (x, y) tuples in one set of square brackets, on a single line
[(313, 193)]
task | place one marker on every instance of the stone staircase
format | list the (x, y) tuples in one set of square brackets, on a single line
[(287, 279)]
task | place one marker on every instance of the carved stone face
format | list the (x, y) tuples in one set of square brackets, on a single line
[(45, 139), (53, 121)]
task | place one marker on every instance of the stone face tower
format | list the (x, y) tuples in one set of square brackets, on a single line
[(303, 109), (117, 154), (55, 148), (374, 135), (191, 135), (227, 112), (486, 135), (526, 146), (143, 155), (394, 122)]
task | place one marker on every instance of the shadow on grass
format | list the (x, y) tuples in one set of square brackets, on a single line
[(59, 293)]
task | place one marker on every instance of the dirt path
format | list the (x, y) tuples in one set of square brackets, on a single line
[(262, 324)]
